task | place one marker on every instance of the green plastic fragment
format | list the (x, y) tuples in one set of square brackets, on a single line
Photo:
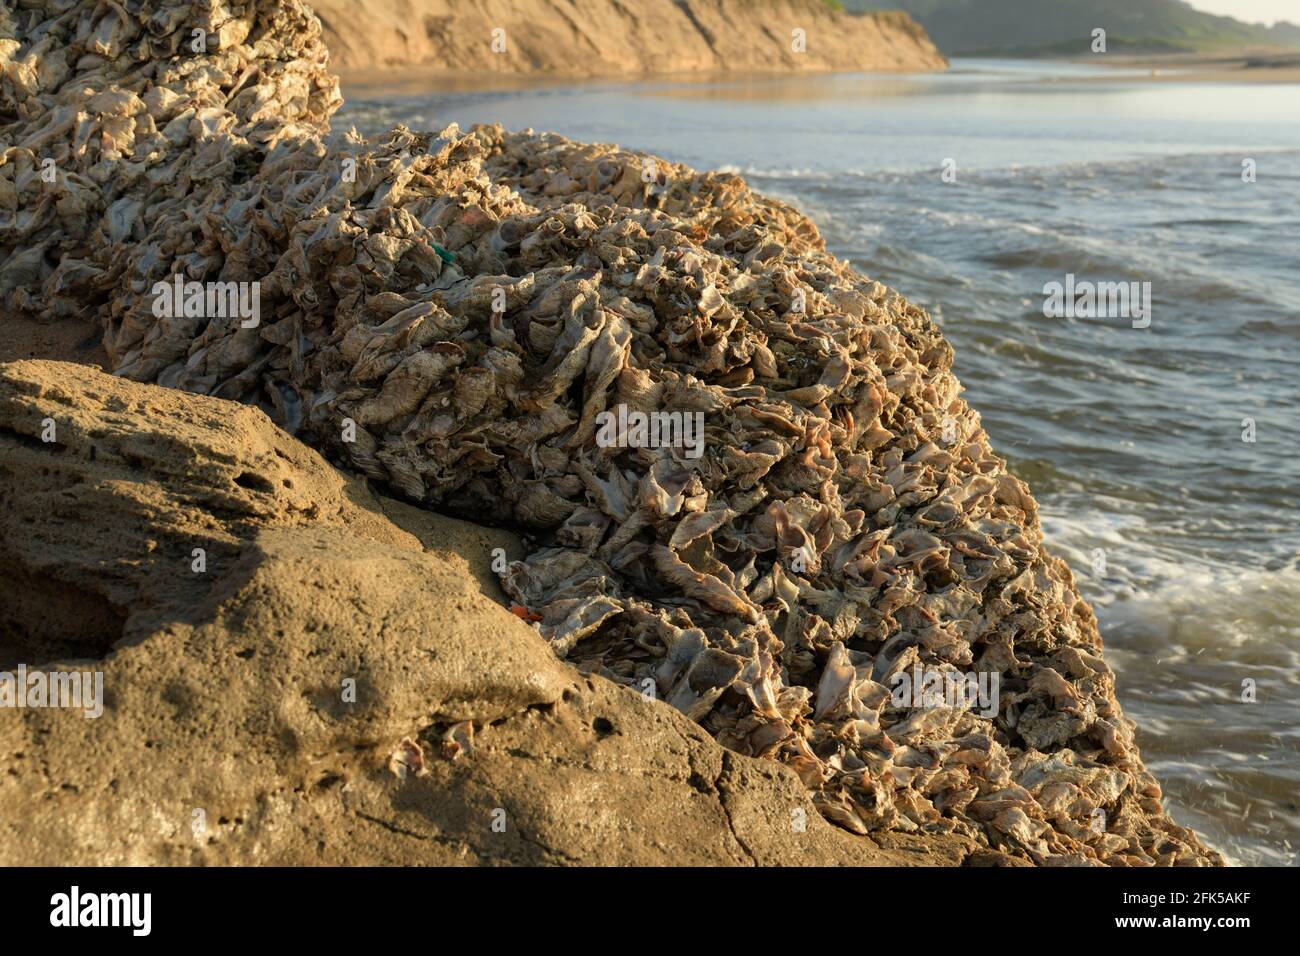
[(443, 254)]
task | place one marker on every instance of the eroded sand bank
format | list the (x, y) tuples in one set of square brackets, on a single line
[(611, 37)]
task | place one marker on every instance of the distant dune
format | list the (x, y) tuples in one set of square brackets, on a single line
[(604, 37)]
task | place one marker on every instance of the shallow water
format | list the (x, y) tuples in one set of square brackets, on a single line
[(1184, 536)]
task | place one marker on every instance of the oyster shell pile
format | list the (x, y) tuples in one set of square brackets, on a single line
[(116, 114), (452, 313)]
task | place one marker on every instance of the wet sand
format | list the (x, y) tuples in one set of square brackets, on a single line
[(1246, 67)]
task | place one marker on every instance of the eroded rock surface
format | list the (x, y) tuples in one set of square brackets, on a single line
[(452, 314)]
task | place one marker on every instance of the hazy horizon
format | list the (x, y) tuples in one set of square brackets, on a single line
[(1252, 11)]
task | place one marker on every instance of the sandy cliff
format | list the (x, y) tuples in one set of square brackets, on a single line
[(598, 37)]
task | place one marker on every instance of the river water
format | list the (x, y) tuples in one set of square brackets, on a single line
[(1184, 535)]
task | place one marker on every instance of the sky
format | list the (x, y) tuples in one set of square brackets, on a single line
[(1252, 11)]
